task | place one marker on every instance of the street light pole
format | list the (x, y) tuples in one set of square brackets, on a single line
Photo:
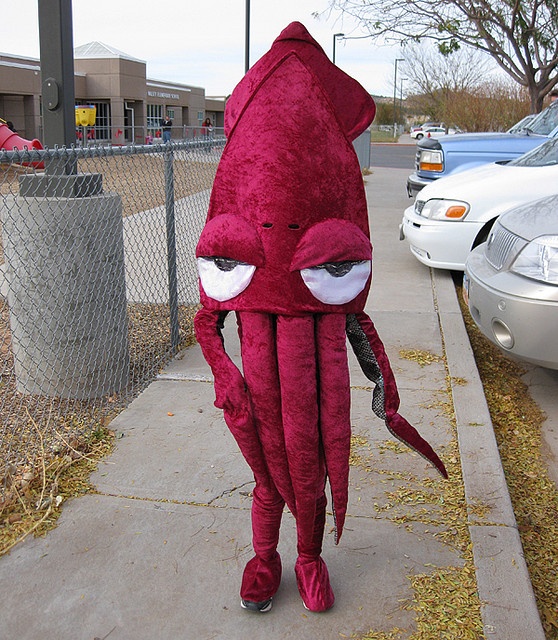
[(247, 39), (395, 96), (335, 36)]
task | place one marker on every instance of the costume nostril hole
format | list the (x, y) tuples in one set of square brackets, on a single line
[(267, 225), (294, 226)]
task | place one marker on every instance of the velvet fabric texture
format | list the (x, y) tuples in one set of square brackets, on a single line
[(286, 246)]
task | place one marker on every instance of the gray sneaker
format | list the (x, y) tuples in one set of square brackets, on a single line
[(258, 607)]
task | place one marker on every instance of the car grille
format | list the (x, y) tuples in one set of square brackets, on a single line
[(499, 246), (417, 159)]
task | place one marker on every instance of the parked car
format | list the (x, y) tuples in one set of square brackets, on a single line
[(455, 214), (440, 157), (511, 283), (427, 132)]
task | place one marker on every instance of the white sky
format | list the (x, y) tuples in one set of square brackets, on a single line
[(202, 44)]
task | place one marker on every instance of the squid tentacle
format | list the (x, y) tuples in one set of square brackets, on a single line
[(335, 410), (296, 357), (374, 362), (259, 358), (231, 393)]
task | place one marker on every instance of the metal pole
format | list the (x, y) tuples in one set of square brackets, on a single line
[(395, 97), (171, 250), (57, 76), (335, 36), (401, 119), (247, 40)]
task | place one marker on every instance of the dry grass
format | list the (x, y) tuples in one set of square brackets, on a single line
[(61, 440), (517, 424), (445, 599), (48, 446), (34, 496)]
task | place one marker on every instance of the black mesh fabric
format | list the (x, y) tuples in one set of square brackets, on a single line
[(369, 364)]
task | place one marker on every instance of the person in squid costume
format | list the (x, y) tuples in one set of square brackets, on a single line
[(286, 246)]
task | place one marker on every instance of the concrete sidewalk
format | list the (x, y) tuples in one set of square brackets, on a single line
[(158, 552)]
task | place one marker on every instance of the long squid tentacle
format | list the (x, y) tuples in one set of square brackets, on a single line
[(373, 359), (296, 356), (335, 409), (259, 358), (231, 393)]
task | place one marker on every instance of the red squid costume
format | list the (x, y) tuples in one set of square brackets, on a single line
[(286, 246)]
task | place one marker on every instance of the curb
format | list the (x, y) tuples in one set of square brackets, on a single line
[(508, 605)]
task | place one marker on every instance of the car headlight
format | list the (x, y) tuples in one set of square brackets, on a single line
[(538, 260), (444, 210), (431, 161)]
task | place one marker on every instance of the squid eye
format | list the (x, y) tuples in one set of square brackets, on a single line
[(224, 278), (337, 282)]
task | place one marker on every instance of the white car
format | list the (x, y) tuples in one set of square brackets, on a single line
[(455, 214), (511, 283), (428, 132)]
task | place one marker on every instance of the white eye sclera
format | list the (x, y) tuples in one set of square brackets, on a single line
[(338, 282), (223, 278)]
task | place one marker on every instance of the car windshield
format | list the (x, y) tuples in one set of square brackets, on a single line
[(542, 156), (546, 121), (522, 124)]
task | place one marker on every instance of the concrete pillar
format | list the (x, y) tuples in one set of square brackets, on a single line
[(67, 294), (117, 120)]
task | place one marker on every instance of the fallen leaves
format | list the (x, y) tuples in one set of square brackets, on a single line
[(517, 424), (421, 357)]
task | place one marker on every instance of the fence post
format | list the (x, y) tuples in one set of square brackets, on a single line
[(171, 248), (362, 148)]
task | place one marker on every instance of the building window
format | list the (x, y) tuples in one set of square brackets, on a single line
[(171, 113), (154, 117), (200, 118), (102, 121), (101, 130)]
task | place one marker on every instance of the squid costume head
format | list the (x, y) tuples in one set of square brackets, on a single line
[(286, 246)]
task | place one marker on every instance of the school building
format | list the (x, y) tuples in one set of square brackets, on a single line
[(129, 106)]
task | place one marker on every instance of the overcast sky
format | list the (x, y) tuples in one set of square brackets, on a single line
[(202, 44)]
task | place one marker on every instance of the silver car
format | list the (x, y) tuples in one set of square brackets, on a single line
[(511, 283)]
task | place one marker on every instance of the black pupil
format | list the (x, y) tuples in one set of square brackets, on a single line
[(338, 269), (226, 264)]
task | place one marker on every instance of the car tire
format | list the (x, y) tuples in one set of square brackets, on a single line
[(419, 136)]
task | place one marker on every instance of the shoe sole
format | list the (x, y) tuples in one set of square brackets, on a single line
[(257, 607)]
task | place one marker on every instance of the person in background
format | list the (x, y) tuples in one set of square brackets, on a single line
[(166, 125), (207, 131)]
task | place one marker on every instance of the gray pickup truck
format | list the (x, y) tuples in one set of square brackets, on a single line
[(448, 154)]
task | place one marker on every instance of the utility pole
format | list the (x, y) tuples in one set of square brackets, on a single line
[(247, 39), (395, 97)]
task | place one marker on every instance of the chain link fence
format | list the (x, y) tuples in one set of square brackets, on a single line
[(98, 284)]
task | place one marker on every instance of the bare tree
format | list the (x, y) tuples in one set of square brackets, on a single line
[(429, 72), (460, 90), (520, 35)]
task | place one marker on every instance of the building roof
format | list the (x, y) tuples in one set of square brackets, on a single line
[(101, 50)]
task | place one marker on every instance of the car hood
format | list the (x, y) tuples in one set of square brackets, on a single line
[(493, 188), (534, 219), (485, 142)]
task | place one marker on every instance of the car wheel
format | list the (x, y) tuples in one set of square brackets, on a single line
[(419, 136)]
